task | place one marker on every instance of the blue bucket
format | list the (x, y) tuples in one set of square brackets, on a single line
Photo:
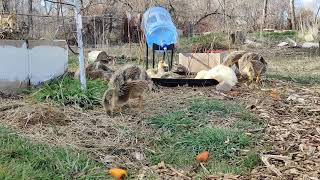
[(159, 28)]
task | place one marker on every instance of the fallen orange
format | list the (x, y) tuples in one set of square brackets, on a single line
[(203, 157), (118, 173)]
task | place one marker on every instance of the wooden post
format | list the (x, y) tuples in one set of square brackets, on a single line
[(80, 45), (94, 32), (103, 33)]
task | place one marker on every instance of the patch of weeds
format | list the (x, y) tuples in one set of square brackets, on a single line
[(67, 90), (201, 43), (22, 159), (277, 36), (300, 79), (176, 121), (218, 107), (252, 160), (73, 63), (185, 133)]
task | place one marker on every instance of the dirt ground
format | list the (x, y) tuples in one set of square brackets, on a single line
[(292, 113)]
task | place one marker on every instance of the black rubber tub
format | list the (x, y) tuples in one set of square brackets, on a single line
[(183, 82)]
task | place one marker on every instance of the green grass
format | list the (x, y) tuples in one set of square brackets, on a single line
[(66, 91), (300, 79), (277, 36), (22, 159), (214, 41), (185, 133)]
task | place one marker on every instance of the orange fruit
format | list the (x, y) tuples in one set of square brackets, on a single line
[(118, 173), (203, 157)]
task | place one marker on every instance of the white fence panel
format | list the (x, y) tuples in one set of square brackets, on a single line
[(14, 65), (48, 59), (34, 62)]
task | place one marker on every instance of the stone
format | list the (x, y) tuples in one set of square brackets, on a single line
[(310, 45), (224, 87), (283, 44)]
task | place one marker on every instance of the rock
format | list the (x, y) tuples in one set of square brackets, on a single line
[(296, 98), (310, 45), (95, 56), (288, 42), (283, 44), (224, 87), (108, 160), (138, 156), (292, 43), (268, 30), (253, 44), (309, 37)]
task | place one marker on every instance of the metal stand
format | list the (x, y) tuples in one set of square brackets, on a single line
[(157, 47)]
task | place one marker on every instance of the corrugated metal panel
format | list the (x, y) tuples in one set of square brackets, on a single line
[(47, 60), (43, 61), (14, 66)]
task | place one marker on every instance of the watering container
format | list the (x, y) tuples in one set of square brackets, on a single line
[(159, 28)]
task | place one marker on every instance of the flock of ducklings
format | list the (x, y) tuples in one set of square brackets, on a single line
[(246, 65)]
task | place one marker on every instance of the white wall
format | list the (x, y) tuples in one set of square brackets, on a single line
[(34, 62)]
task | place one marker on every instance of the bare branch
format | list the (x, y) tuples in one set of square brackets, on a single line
[(68, 4)]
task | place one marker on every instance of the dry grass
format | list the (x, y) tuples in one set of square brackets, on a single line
[(110, 140), (117, 141), (302, 70)]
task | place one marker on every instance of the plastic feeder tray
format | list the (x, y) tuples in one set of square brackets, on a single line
[(182, 82)]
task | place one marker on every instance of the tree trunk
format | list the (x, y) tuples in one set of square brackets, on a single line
[(293, 14), (224, 15), (265, 12), (5, 6), (16, 4), (30, 21), (58, 9)]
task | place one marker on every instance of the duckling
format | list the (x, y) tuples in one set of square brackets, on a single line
[(201, 74), (157, 73), (253, 66), (223, 74)]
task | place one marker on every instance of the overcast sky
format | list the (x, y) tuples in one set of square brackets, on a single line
[(308, 4)]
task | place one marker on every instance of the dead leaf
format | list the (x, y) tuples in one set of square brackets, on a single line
[(302, 147), (175, 172), (293, 171), (230, 177), (142, 173), (275, 95), (314, 110), (313, 178), (265, 160), (138, 156), (296, 98)]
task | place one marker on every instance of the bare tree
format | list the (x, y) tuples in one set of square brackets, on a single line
[(265, 12), (5, 6), (30, 21), (293, 14)]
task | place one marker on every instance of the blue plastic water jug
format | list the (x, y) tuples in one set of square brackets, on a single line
[(159, 28)]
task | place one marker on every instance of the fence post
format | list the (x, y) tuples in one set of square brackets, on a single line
[(80, 45), (103, 34), (94, 32)]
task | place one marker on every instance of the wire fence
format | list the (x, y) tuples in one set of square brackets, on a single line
[(98, 31)]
